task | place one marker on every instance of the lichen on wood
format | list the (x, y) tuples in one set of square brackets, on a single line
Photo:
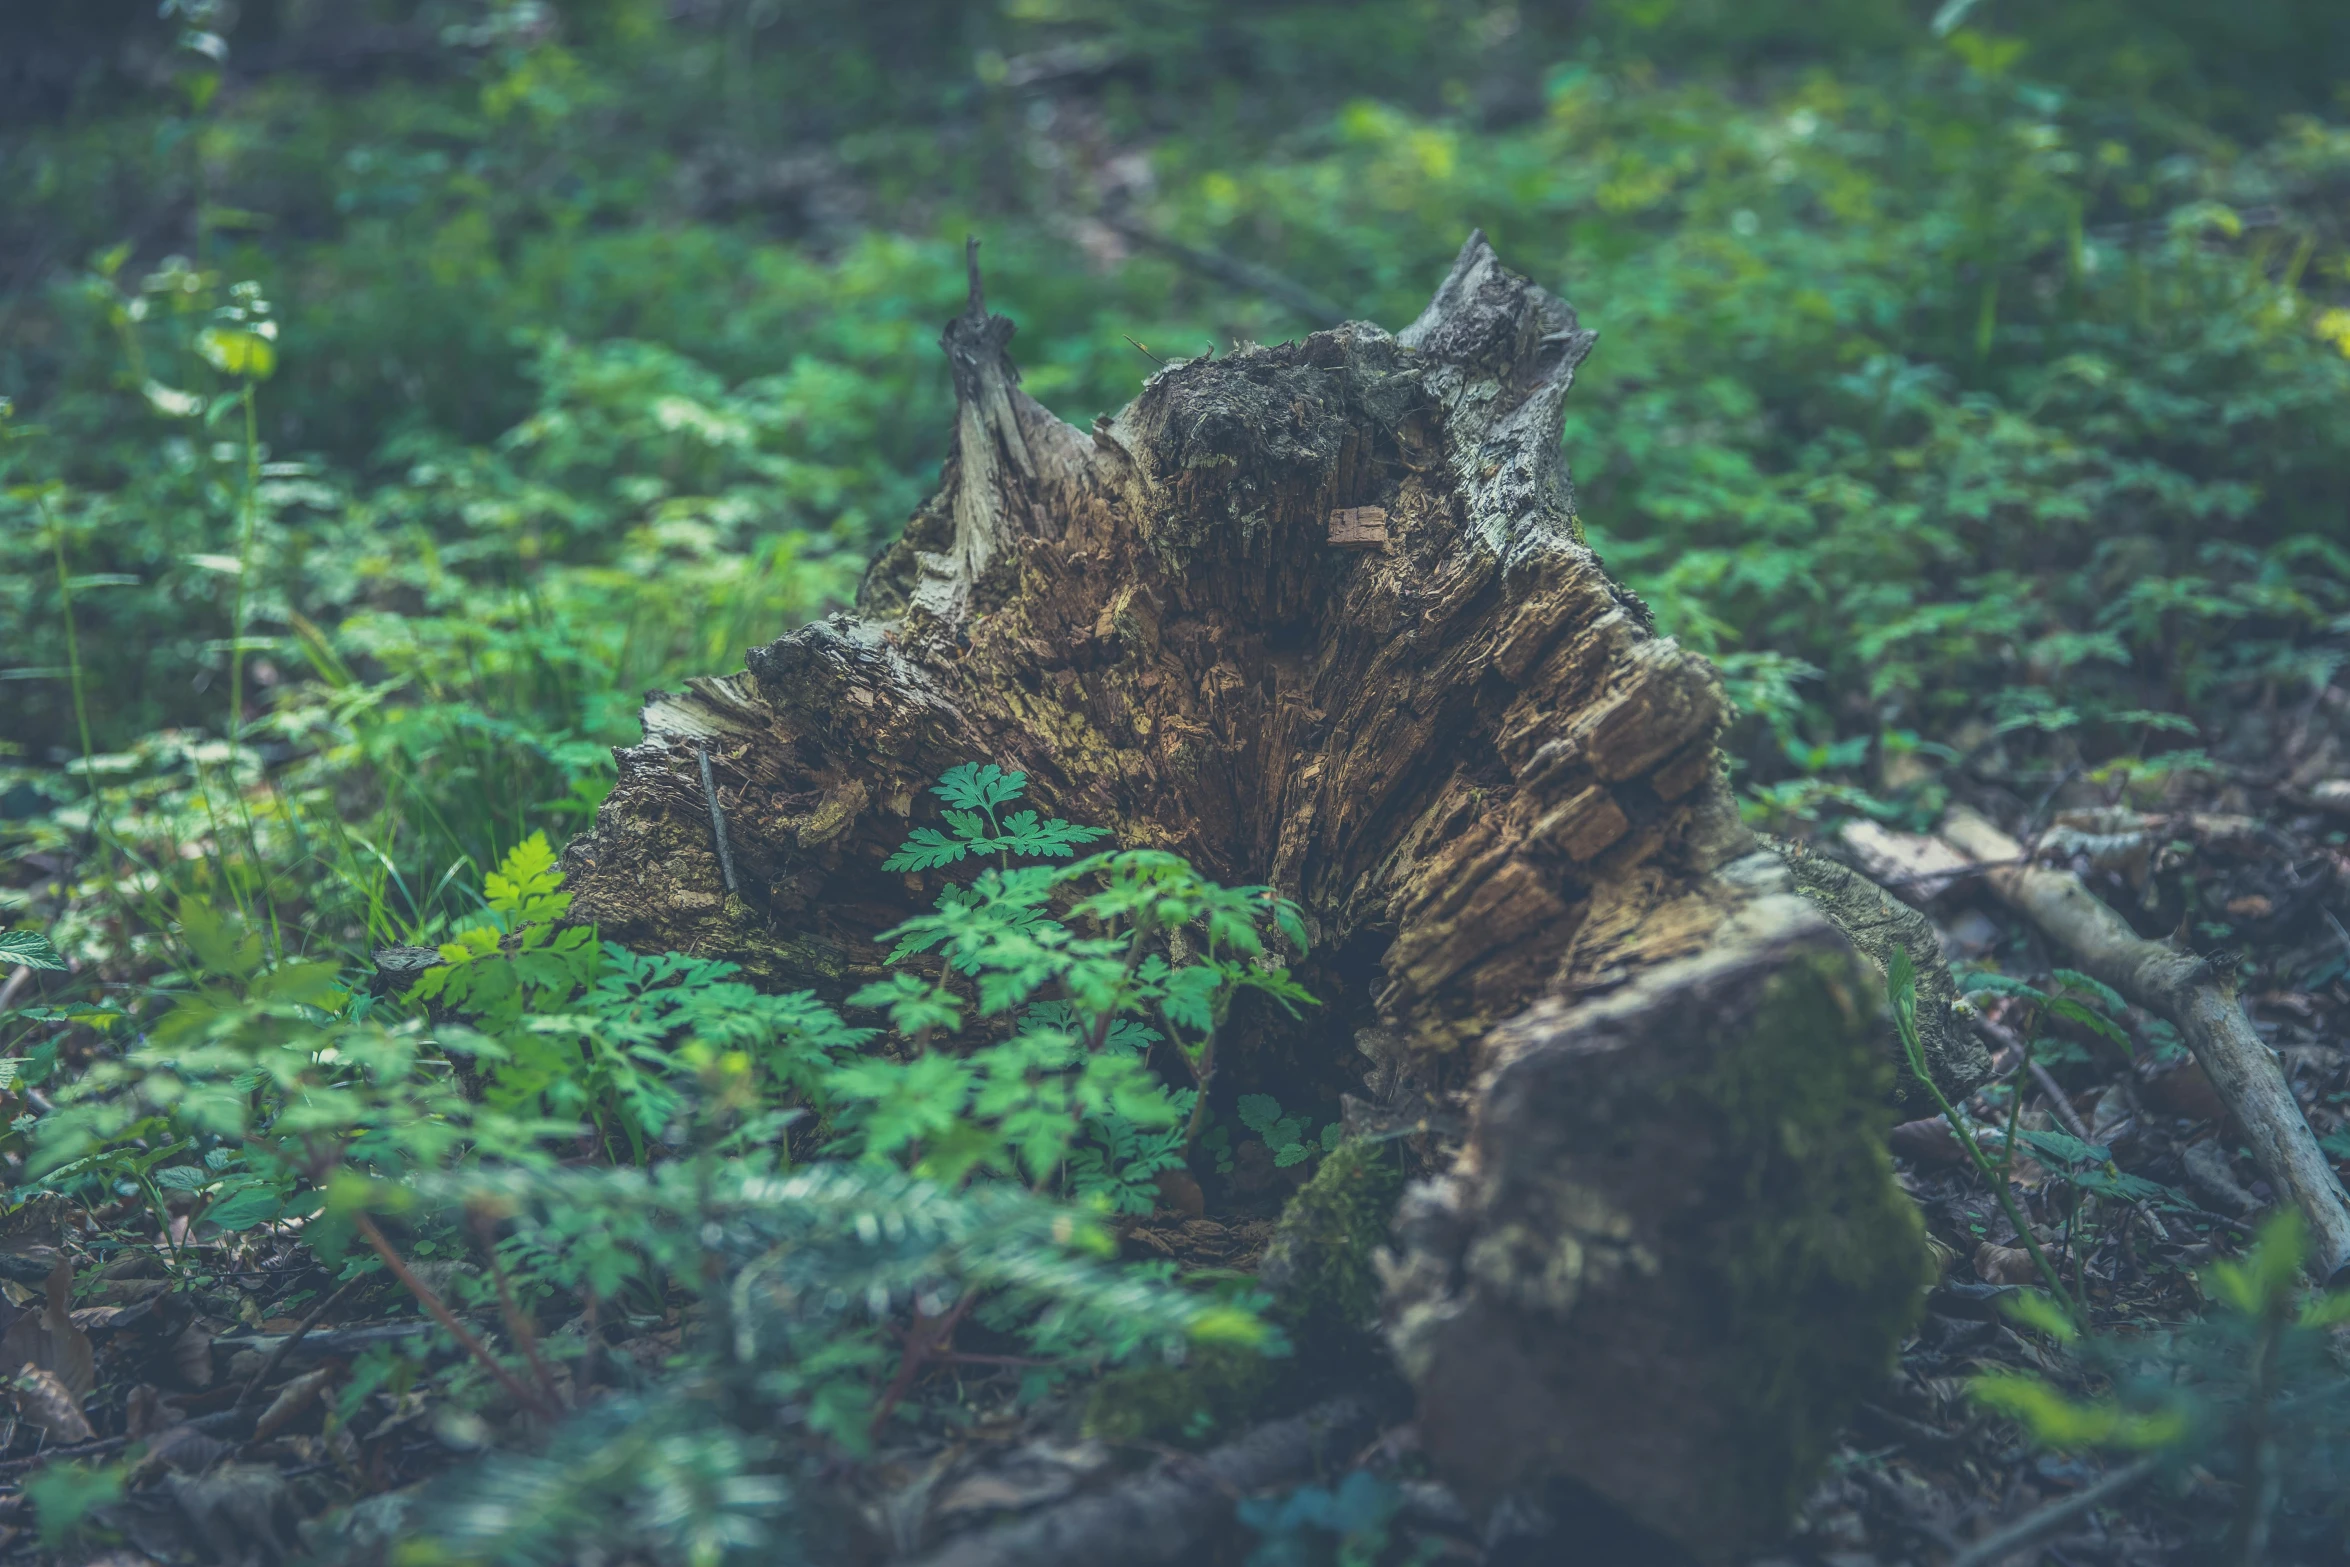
[(1491, 785)]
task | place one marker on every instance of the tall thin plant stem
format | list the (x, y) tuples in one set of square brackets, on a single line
[(248, 524), (1901, 989), (81, 704), (73, 655)]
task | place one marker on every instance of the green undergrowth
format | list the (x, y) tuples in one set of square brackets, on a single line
[(1966, 398), (585, 1129), (2253, 1394), (1973, 387)]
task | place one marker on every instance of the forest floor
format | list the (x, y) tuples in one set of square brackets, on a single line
[(268, 1397), (1977, 398)]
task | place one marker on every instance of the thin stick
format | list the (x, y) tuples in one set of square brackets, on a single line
[(2058, 1104), (2034, 1527), (516, 1323), (277, 1357), (921, 1339), (588, 1363), (2182, 987), (105, 1444), (1902, 992), (440, 1312), (717, 818)]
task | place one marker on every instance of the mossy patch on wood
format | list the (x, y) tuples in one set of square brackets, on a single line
[(1319, 1264), (1821, 1257)]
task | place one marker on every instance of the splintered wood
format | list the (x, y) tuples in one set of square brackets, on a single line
[(1489, 782)]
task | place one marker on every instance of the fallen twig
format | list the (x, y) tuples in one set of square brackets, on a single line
[(2058, 1105), (2181, 987), (277, 1357), (334, 1341), (927, 1336), (1161, 1515), (440, 1312), (717, 818), (2034, 1527), (104, 1444), (518, 1322)]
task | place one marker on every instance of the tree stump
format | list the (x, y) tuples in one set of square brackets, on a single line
[(1320, 615)]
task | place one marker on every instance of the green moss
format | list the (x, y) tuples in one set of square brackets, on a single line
[(1326, 1299), (1821, 1274), (1219, 1388), (1319, 1264)]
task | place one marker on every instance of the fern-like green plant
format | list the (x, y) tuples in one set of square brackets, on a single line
[(1071, 965)]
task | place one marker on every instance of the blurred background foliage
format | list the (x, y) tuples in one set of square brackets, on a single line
[(1973, 384)]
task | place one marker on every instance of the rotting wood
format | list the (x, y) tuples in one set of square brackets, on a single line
[(1359, 526), (1491, 785), (2199, 1001)]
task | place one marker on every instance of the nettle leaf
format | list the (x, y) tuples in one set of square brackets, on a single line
[(2106, 996), (246, 1207), (978, 786), (1188, 996), (525, 885), (2096, 1022), (903, 1102), (28, 948), (183, 1178), (2067, 1148), (1991, 981), (1128, 1037), (1260, 1113), (2130, 1188), (1290, 921)]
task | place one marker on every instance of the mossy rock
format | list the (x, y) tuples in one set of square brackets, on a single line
[(1319, 1263), (1673, 1257)]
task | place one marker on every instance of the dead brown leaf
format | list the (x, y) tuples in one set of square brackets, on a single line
[(2179, 1088), (1928, 1141), (47, 1338), (184, 1450), (1995, 1264), (191, 1355), (291, 1400), (42, 1399), (1179, 1193), (144, 1412)]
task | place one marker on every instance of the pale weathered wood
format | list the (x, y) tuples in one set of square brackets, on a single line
[(2199, 1001)]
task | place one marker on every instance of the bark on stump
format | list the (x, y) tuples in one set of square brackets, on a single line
[(1320, 615)]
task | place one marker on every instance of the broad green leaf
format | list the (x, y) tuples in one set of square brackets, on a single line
[(29, 948)]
